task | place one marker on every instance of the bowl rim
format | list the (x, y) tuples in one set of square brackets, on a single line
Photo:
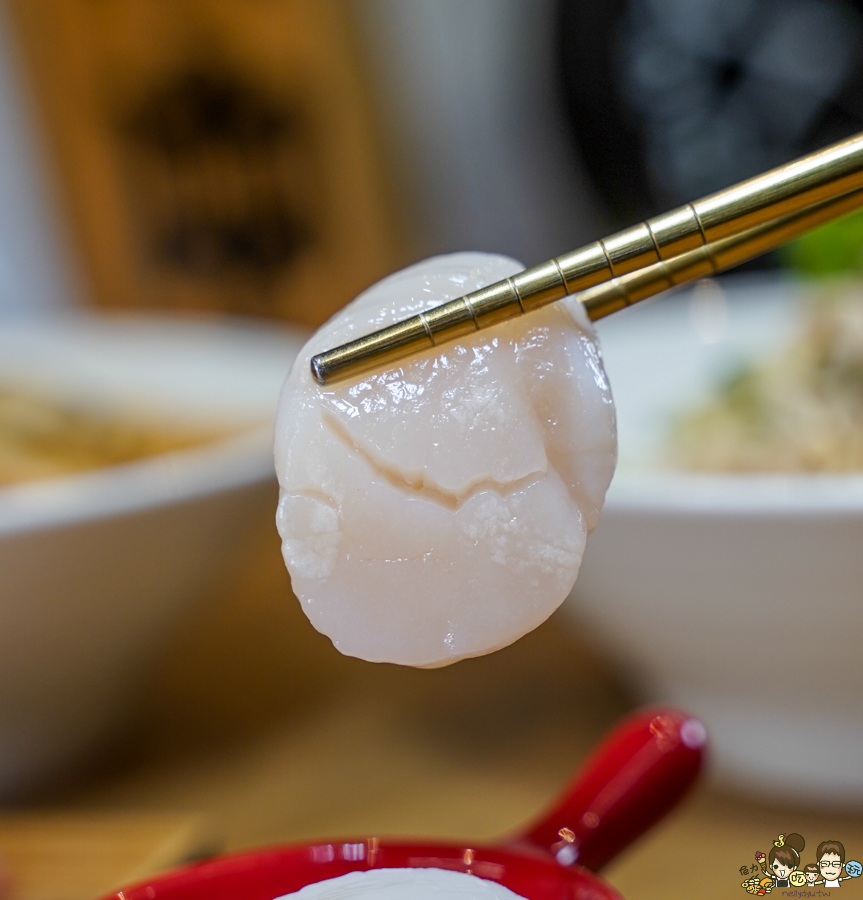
[(240, 456), (779, 494), (219, 465)]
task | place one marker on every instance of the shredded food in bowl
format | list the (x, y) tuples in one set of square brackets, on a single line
[(41, 437), (801, 410)]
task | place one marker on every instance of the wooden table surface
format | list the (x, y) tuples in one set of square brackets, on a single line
[(253, 730)]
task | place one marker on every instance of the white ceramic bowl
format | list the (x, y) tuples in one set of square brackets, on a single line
[(737, 597), (96, 568)]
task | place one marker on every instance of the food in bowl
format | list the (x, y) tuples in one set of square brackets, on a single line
[(799, 409), (43, 436), (438, 510), (736, 594), (396, 884)]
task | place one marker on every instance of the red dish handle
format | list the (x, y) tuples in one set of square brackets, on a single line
[(635, 776)]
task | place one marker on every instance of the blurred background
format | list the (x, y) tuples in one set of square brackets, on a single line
[(274, 159), (230, 173)]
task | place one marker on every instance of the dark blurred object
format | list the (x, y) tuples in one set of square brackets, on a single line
[(214, 153), (669, 100), (197, 116)]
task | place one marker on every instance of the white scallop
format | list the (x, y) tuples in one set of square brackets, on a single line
[(438, 510)]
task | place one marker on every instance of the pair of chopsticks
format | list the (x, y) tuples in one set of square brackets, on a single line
[(702, 238)]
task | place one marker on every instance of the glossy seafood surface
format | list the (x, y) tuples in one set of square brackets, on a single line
[(438, 510)]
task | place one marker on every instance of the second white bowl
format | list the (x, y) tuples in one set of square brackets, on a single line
[(735, 596)]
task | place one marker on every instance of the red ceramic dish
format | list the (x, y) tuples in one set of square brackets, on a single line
[(634, 778)]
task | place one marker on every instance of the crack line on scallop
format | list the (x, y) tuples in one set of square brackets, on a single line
[(430, 492)]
